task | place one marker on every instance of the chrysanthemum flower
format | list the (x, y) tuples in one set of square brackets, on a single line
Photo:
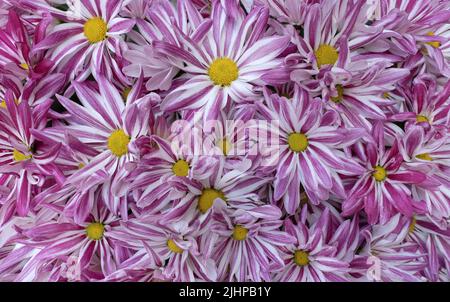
[(393, 259), (411, 29), (383, 189), (167, 170), (425, 104), (155, 22), (16, 44), (318, 254), (86, 45), (236, 188), (433, 240), (310, 149), (364, 95), (88, 243), (78, 203), (224, 140), (223, 62), (171, 248), (23, 165), (327, 42), (106, 124), (248, 243), (429, 152)]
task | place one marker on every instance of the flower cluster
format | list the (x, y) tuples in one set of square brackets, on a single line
[(225, 140)]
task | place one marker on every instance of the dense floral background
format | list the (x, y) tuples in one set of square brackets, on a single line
[(95, 184)]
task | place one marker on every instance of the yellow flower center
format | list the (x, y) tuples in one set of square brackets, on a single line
[(95, 30), (412, 225), (181, 168), (240, 233), (95, 231), (424, 156), (118, 143), (298, 142), (225, 146), (301, 258), (25, 66), (3, 103), (339, 97), (326, 55), (422, 119), (126, 91), (207, 198), (81, 166), (173, 247), (386, 95), (380, 173), (223, 71), (19, 156), (435, 44)]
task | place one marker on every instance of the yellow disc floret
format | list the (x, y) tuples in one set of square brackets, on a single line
[(118, 143), (422, 119), (25, 66), (240, 233), (424, 156), (19, 156), (412, 225), (95, 231), (298, 142), (435, 44), (95, 30), (379, 173), (173, 247), (301, 258), (3, 103), (326, 55), (206, 200), (181, 168), (223, 71)]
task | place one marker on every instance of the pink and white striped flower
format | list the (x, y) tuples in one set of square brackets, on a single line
[(87, 44), (23, 165), (109, 127), (329, 49), (383, 190), (224, 60), (396, 260), (237, 189), (426, 104), (172, 249), (411, 30), (248, 243), (154, 22), (224, 140), (320, 252), (311, 149), (88, 243)]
